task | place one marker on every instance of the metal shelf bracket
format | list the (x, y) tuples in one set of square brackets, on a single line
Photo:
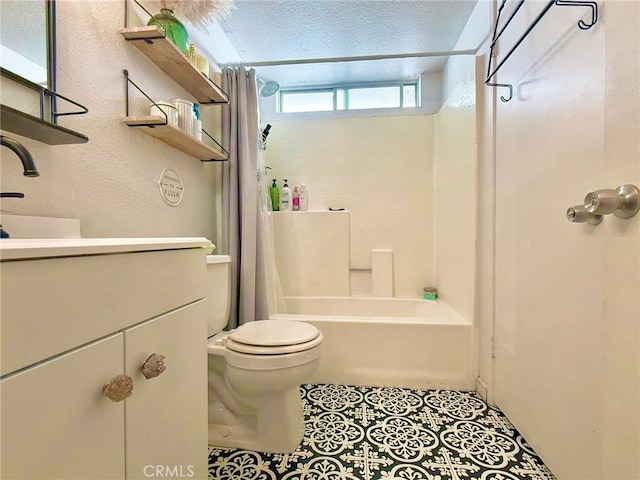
[(497, 33)]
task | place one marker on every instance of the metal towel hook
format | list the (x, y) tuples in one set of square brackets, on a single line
[(592, 5), (499, 30)]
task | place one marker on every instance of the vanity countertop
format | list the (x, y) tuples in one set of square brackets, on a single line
[(20, 249)]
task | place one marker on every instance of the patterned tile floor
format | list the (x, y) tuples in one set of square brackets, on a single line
[(377, 433)]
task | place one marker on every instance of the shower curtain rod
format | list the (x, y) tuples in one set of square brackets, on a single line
[(365, 58)]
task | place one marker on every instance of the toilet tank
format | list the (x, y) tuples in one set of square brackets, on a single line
[(218, 301)]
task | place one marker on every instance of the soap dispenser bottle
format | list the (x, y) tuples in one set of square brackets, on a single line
[(286, 198), (296, 199), (275, 196)]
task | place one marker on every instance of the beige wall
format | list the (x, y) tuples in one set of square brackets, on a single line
[(567, 316), (455, 196), (378, 168), (109, 183)]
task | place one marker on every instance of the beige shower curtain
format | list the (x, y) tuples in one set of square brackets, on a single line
[(247, 234)]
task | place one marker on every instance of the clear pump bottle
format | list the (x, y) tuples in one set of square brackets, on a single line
[(304, 198)]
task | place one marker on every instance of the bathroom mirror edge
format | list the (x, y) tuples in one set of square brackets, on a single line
[(43, 128), (51, 46), (34, 58)]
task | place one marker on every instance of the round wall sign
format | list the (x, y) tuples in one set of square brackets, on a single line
[(171, 186)]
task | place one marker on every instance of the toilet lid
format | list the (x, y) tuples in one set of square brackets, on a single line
[(273, 337), (274, 333)]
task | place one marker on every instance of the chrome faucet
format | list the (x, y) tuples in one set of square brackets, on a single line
[(28, 164)]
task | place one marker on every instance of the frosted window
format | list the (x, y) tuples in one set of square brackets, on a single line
[(379, 97), (307, 101), (342, 97)]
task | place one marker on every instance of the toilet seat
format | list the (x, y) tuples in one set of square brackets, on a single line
[(258, 350), (273, 337)]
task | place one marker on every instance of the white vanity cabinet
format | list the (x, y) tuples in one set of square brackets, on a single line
[(166, 417), (82, 320), (55, 422)]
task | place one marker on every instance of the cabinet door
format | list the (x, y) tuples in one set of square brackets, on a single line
[(166, 418), (57, 424)]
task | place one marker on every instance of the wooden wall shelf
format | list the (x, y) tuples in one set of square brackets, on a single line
[(171, 135), (151, 41)]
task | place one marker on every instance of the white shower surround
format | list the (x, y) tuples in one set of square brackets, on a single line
[(399, 342), (323, 256)]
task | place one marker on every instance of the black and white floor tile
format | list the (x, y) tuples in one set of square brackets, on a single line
[(380, 433)]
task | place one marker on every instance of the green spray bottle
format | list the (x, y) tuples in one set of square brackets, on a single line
[(275, 196)]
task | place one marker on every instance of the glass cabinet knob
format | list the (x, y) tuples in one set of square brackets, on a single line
[(153, 366), (118, 388)]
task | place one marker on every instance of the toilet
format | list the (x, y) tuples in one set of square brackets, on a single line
[(255, 373)]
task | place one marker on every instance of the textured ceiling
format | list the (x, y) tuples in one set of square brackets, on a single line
[(284, 30)]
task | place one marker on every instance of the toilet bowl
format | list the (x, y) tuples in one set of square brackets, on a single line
[(255, 373)]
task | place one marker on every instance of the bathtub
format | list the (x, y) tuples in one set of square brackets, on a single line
[(397, 342)]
